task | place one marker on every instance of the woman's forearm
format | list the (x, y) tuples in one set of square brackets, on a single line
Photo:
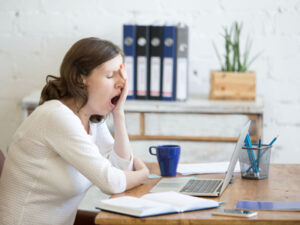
[(122, 145), (135, 178)]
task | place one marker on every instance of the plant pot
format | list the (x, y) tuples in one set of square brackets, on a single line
[(232, 85)]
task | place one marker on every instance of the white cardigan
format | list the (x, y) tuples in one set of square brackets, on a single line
[(51, 163)]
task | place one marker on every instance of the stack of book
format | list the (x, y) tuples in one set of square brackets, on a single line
[(156, 59)]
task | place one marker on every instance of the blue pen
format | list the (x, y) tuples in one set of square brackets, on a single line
[(272, 142), (231, 180), (251, 154), (258, 152)]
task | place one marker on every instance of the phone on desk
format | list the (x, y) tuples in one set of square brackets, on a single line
[(234, 212)]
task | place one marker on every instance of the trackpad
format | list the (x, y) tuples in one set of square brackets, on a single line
[(170, 184)]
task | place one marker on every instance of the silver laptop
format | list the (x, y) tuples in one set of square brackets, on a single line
[(204, 187)]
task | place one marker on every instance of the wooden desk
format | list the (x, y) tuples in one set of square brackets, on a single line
[(283, 184)]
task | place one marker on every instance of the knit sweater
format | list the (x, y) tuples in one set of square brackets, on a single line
[(51, 163)]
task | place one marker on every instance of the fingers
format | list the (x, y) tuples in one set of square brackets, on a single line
[(123, 71)]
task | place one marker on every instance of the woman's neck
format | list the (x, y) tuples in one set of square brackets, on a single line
[(83, 116)]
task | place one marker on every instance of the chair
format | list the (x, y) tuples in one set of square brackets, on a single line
[(85, 217), (2, 158)]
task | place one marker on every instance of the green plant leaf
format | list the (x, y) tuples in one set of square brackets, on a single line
[(234, 60), (254, 58), (218, 55)]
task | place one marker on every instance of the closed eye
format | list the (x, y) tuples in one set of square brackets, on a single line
[(110, 76)]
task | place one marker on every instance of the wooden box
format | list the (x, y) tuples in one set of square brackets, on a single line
[(232, 85)]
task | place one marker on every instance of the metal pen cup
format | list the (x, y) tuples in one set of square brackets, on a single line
[(255, 162)]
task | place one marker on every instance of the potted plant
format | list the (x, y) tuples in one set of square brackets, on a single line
[(233, 81)]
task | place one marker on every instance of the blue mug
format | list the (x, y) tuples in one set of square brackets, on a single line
[(167, 157)]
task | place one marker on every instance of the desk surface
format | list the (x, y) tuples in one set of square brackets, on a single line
[(283, 184)]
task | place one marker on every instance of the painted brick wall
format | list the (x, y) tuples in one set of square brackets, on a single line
[(35, 34)]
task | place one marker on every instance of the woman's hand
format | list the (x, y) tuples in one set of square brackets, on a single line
[(138, 164), (139, 174), (120, 104)]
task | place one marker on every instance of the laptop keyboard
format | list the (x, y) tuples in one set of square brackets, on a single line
[(201, 186)]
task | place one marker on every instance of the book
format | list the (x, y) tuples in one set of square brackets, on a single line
[(129, 45), (259, 205), (156, 204)]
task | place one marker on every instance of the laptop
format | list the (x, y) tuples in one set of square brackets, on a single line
[(204, 187)]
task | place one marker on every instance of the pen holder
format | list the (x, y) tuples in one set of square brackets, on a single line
[(255, 162)]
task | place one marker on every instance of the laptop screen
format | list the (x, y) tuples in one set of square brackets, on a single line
[(235, 155)]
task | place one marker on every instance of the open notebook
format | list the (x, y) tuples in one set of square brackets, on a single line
[(155, 204)]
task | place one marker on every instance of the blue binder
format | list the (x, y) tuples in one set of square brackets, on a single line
[(169, 63), (129, 47)]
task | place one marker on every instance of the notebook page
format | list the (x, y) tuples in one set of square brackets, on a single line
[(133, 203), (182, 202)]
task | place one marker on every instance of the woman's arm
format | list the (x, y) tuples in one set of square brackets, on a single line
[(122, 145), (138, 176)]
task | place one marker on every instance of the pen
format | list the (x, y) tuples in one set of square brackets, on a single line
[(231, 180), (272, 142), (258, 152), (251, 154)]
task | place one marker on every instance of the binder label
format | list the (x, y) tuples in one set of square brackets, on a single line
[(167, 77), (130, 72), (181, 87), (141, 75), (155, 76)]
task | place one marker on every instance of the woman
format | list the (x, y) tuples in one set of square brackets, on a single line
[(64, 145)]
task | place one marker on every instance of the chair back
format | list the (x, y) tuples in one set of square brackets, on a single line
[(2, 158)]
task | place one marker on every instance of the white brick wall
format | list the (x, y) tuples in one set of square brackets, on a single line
[(35, 34)]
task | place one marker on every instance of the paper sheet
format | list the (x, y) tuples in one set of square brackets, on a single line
[(205, 168)]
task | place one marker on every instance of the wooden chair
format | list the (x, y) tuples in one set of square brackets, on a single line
[(85, 218), (2, 158)]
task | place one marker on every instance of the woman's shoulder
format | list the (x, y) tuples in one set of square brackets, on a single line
[(59, 118), (55, 109)]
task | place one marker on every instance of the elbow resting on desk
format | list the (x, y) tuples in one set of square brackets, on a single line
[(118, 181), (139, 174)]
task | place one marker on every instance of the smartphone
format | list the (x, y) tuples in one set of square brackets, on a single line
[(234, 212)]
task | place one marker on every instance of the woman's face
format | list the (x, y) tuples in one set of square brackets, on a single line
[(104, 84)]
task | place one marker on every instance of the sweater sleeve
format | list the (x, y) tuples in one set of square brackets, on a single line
[(105, 143), (65, 135)]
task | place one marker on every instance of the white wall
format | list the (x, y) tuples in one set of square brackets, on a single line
[(35, 34)]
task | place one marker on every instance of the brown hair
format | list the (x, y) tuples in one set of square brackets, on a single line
[(85, 55)]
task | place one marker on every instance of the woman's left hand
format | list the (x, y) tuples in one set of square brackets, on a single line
[(120, 104)]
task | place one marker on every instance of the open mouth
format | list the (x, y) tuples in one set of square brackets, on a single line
[(115, 100)]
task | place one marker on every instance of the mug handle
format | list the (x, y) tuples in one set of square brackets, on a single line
[(150, 150)]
